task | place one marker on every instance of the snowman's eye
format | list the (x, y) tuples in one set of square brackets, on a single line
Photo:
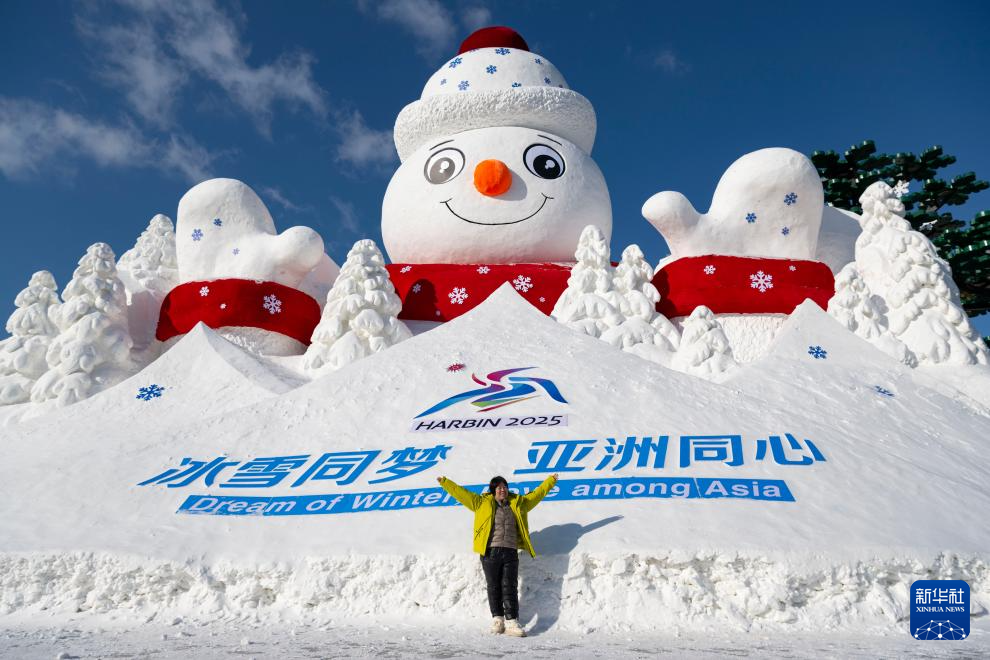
[(444, 165), (543, 161)]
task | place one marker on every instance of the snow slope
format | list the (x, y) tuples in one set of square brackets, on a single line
[(893, 491)]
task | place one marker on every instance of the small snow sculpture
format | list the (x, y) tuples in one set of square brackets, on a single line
[(590, 304), (704, 350), (152, 260), (862, 313), (92, 349), (904, 269), (637, 303), (361, 313), (149, 270), (22, 356)]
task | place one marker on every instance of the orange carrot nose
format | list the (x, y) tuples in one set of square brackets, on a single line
[(492, 177)]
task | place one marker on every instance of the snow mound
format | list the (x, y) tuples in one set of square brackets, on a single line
[(885, 487)]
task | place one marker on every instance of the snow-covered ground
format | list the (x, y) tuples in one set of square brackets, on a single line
[(396, 639), (777, 542)]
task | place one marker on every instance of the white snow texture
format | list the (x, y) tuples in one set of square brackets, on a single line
[(149, 270), (903, 268), (704, 350), (361, 313), (22, 356), (92, 350), (590, 304)]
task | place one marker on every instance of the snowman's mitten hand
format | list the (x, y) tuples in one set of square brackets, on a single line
[(676, 219), (224, 230)]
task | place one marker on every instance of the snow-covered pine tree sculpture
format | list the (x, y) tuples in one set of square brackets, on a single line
[(361, 314), (149, 271), (637, 298), (704, 350), (904, 269), (590, 304), (92, 349), (862, 313), (22, 356)]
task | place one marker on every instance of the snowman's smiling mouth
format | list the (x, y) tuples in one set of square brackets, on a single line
[(492, 224)]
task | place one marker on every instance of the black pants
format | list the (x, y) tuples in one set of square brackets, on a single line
[(501, 566)]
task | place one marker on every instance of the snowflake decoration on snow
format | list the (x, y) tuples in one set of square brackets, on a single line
[(416, 287), (790, 198), (454, 62), (443, 81), (218, 222), (522, 283), (483, 270), (761, 281), (516, 84), (817, 352), (150, 392), (709, 269), (501, 51), (463, 85), (273, 304), (491, 68), (204, 291), (197, 234), (236, 251), (750, 218), (546, 80), (457, 296), (902, 188), (405, 269), (792, 268), (785, 231), (538, 61), (457, 366), (882, 391)]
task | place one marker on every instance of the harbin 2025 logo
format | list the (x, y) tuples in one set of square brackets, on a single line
[(498, 390), (940, 610)]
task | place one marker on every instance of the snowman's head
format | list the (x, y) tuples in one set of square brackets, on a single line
[(493, 195), (495, 162)]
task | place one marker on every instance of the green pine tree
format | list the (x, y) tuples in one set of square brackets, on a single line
[(966, 246)]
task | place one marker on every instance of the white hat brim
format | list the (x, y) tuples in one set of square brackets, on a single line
[(562, 112)]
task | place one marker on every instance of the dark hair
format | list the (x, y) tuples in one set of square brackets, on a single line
[(493, 484)]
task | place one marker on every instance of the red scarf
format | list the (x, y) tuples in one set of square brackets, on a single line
[(741, 285), (441, 292), (245, 303)]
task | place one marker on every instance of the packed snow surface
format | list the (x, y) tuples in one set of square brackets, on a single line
[(886, 467)]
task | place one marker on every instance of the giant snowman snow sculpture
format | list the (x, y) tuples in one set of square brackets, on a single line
[(752, 258), (259, 288), (496, 181)]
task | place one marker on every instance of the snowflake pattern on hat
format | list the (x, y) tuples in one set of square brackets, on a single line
[(478, 71)]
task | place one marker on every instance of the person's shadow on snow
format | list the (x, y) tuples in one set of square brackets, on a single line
[(543, 578)]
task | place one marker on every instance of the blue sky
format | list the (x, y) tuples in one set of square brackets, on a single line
[(110, 111)]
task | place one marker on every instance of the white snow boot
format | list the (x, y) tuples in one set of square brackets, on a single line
[(498, 625), (513, 629)]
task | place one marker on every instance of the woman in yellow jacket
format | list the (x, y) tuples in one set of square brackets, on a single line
[(501, 529)]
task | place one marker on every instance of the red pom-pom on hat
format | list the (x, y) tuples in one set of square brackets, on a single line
[(493, 37)]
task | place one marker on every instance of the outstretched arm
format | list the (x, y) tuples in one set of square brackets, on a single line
[(532, 499), (461, 494)]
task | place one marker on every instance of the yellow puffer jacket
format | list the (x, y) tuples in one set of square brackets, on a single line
[(484, 511)]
